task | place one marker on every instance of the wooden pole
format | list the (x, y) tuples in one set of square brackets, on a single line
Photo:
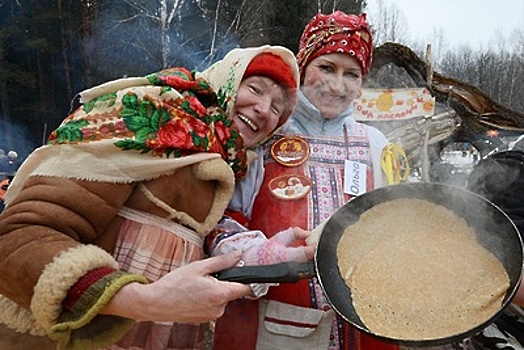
[(425, 165)]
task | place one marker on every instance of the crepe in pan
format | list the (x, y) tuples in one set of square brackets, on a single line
[(417, 272)]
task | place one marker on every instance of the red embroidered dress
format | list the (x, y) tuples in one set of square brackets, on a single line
[(298, 315)]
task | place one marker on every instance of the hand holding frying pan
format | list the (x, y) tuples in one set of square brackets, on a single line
[(495, 231)]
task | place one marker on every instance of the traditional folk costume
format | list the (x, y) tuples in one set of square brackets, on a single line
[(303, 185), (85, 215), (300, 309)]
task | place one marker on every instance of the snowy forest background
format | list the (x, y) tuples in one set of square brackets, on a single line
[(52, 49)]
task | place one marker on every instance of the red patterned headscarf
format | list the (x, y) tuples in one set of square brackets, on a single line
[(336, 32)]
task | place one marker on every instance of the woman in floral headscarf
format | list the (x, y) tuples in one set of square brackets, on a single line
[(103, 224), (304, 185)]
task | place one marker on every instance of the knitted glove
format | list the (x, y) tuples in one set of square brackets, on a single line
[(257, 249), (275, 250)]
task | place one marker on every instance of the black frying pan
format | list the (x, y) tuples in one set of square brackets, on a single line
[(495, 231)]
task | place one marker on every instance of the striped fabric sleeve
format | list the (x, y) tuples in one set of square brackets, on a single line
[(80, 326), (80, 287)]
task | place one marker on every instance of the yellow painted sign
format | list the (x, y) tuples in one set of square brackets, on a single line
[(393, 104)]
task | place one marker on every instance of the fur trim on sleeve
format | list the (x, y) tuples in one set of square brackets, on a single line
[(18, 318), (60, 275), (83, 327)]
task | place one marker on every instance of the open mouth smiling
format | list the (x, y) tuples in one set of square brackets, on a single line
[(248, 122)]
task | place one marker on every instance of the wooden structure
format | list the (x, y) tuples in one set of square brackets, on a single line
[(470, 113)]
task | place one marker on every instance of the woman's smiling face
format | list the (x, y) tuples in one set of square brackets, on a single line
[(259, 105), (331, 83)]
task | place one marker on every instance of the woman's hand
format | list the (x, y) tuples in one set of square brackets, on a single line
[(189, 294)]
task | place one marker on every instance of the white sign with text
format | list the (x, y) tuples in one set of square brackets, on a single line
[(354, 178)]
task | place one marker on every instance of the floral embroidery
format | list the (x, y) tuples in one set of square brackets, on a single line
[(170, 127), (70, 132), (109, 98), (225, 92)]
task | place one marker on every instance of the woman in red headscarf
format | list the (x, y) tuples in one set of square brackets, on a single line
[(303, 185)]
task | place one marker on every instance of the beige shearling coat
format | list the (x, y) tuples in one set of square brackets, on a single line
[(61, 216)]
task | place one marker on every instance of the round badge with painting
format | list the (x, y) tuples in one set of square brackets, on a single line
[(290, 151), (290, 186)]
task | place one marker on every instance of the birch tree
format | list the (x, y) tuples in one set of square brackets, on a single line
[(389, 24), (163, 16), (329, 6)]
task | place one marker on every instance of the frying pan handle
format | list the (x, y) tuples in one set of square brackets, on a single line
[(286, 272)]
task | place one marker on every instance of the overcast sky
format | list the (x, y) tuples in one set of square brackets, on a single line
[(472, 22)]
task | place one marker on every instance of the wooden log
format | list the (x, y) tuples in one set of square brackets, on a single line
[(477, 111)]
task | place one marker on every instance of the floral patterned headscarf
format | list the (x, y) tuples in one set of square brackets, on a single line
[(336, 32), (188, 114), (137, 129), (226, 82)]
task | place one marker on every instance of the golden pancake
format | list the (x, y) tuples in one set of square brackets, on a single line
[(417, 272)]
